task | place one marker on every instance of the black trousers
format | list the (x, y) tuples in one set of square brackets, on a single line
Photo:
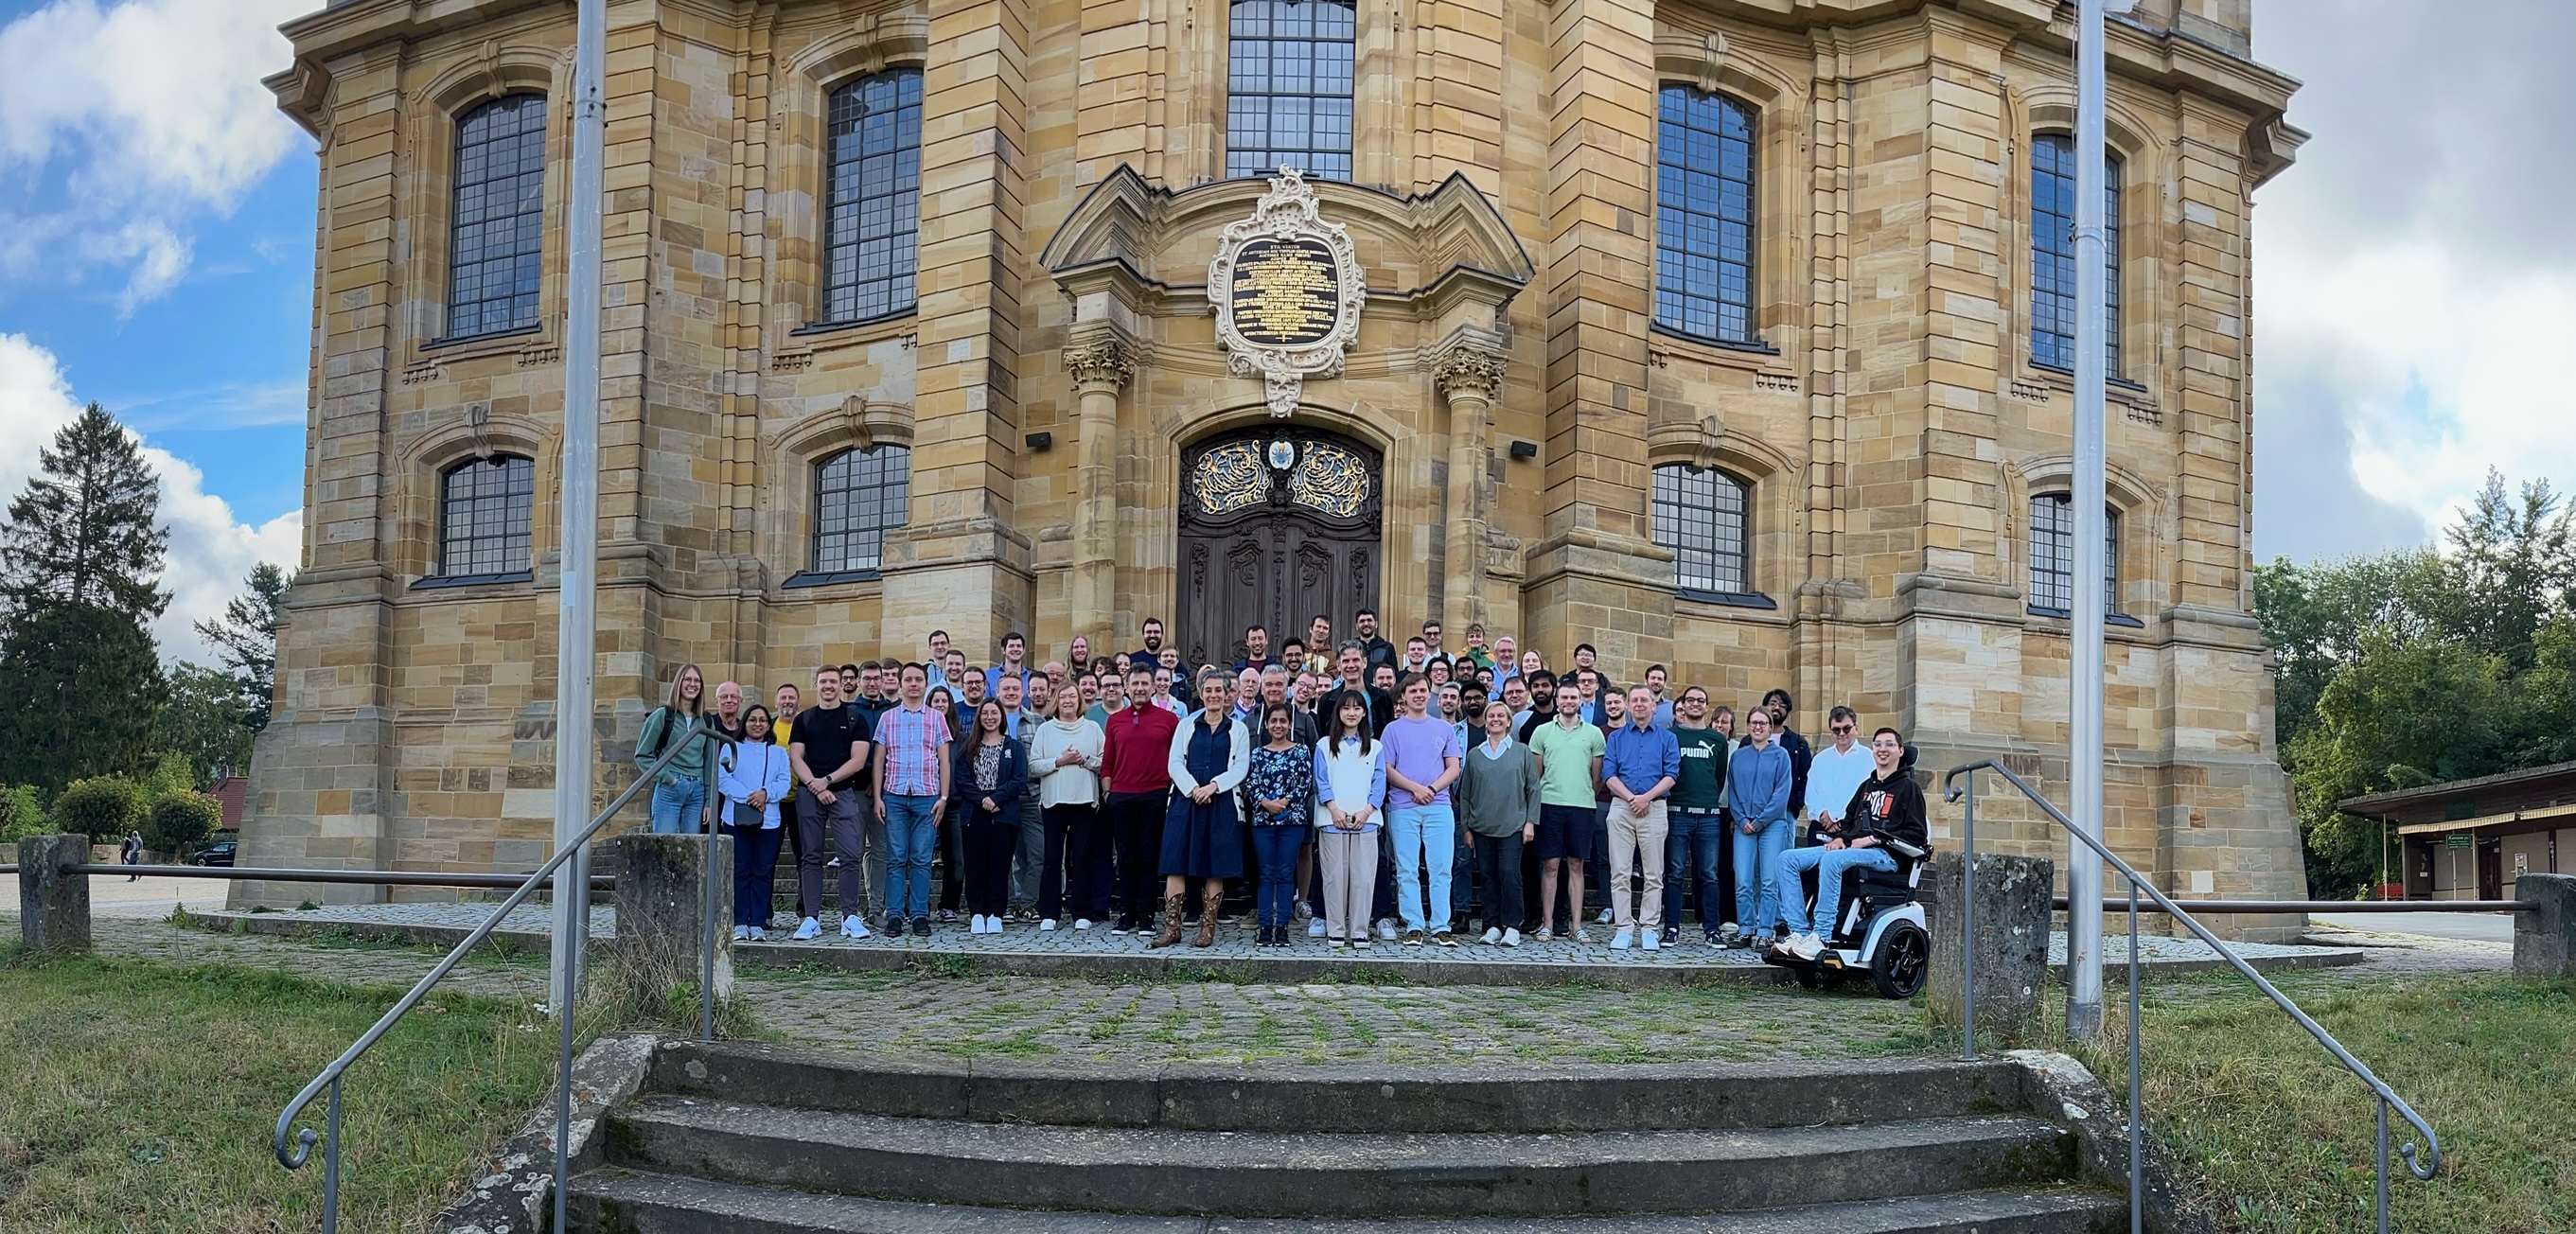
[(1078, 844), (1499, 858), (1136, 823), (989, 842)]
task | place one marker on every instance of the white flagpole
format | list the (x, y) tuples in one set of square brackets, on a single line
[(2084, 728), (579, 524)]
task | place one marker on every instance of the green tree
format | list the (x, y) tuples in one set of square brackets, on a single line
[(22, 812), (80, 564), (246, 638), (201, 720), (103, 808), (180, 821)]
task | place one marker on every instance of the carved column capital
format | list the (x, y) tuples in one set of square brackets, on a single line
[(1469, 372), (1100, 367)]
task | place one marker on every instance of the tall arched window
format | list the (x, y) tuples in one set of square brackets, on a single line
[(1700, 513), (2052, 253), (1288, 87), (859, 496), (1704, 216), (483, 518), (869, 250), (2052, 556), (496, 228)]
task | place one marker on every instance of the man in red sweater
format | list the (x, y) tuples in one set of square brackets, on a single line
[(1137, 758)]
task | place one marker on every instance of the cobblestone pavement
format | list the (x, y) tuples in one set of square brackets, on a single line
[(1233, 943)]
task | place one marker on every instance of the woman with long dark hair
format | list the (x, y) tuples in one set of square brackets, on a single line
[(991, 772), (1280, 783), (753, 788), (1350, 787)]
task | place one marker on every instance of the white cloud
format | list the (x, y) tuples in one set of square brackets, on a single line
[(210, 551), (151, 111)]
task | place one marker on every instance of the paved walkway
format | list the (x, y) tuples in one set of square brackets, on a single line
[(2475, 927)]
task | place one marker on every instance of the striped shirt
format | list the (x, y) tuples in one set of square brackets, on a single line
[(910, 738)]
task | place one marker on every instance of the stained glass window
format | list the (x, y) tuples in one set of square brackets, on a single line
[(495, 232), (869, 249), (1288, 87), (1704, 215)]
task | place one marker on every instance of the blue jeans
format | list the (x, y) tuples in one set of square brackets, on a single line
[(1463, 895), (755, 872), (678, 806), (911, 835), (1274, 850), (1425, 837), (1691, 849), (1829, 865), (1757, 860)]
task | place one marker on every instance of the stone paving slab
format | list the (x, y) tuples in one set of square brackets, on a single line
[(1097, 954)]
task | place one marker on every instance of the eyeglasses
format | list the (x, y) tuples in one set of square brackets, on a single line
[(1843, 728)]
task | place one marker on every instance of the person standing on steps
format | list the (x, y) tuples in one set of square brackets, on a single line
[(911, 785), (1280, 783), (1638, 766), (1350, 781), (1695, 844), (728, 714), (1569, 765), (753, 788), (830, 752), (1757, 785), (782, 727), (1801, 757), (1209, 757), (1136, 753), (1065, 756), (990, 774), (1498, 800), (1422, 760), (680, 805), (1376, 649)]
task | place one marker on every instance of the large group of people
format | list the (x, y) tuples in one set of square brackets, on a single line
[(1415, 796)]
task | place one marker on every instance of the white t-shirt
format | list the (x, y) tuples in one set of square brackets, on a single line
[(1834, 776)]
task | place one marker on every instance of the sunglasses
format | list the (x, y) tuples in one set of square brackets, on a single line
[(1843, 728)]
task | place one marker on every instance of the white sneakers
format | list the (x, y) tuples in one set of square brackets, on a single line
[(1386, 929), (1082, 923), (1315, 928), (1605, 917), (808, 930), (1492, 936), (1511, 938), (759, 935), (989, 925), (852, 927), (1728, 933), (1804, 946), (1624, 939), (1651, 940), (975, 924), (742, 934), (1046, 925)]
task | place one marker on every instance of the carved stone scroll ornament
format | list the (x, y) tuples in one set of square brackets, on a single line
[(1288, 290)]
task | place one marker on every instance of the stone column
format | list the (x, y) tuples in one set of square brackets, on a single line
[(2544, 934), (1099, 369), (53, 906), (1470, 376), (662, 910), (2012, 896)]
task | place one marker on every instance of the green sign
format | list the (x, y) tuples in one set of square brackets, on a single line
[(2457, 839)]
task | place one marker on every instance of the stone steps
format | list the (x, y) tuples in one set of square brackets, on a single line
[(752, 1137), (638, 1203)]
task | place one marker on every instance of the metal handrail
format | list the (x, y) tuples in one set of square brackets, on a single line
[(2425, 1169), (712, 743)]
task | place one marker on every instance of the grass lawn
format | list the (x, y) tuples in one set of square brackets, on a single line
[(2275, 1136), (139, 1096)]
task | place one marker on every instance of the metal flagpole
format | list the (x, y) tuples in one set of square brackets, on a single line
[(2084, 728), (574, 662)]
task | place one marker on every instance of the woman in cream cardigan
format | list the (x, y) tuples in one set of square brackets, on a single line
[(1064, 755)]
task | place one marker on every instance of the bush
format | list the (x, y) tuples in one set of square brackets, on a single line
[(22, 813), (102, 807), (181, 821)]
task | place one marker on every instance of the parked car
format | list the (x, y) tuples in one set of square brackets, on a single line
[(218, 854)]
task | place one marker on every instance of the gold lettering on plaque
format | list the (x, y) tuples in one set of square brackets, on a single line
[(1287, 293)]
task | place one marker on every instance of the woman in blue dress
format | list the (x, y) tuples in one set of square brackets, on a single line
[(1211, 754)]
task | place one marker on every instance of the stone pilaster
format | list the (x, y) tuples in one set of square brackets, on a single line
[(1469, 376), (1100, 369)]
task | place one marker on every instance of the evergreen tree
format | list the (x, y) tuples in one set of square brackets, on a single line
[(201, 720), (80, 567), (246, 638)]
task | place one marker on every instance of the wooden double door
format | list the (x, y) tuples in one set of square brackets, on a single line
[(1277, 524)]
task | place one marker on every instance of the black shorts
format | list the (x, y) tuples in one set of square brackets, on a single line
[(1565, 832)]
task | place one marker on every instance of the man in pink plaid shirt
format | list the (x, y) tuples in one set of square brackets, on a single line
[(911, 784)]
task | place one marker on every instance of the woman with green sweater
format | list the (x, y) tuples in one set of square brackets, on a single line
[(1498, 801)]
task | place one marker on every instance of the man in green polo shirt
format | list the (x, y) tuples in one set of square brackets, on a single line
[(1695, 845), (1569, 754)]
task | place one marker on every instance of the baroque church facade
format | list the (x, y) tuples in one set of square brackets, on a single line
[(1728, 335)]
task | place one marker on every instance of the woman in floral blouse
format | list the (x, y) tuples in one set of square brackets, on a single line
[(1281, 785)]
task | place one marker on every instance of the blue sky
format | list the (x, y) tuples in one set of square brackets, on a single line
[(2414, 285)]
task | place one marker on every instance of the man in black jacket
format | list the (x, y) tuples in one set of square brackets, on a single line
[(1801, 755), (1887, 808)]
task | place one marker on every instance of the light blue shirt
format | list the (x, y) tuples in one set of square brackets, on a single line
[(757, 767), (1638, 758), (1757, 783)]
